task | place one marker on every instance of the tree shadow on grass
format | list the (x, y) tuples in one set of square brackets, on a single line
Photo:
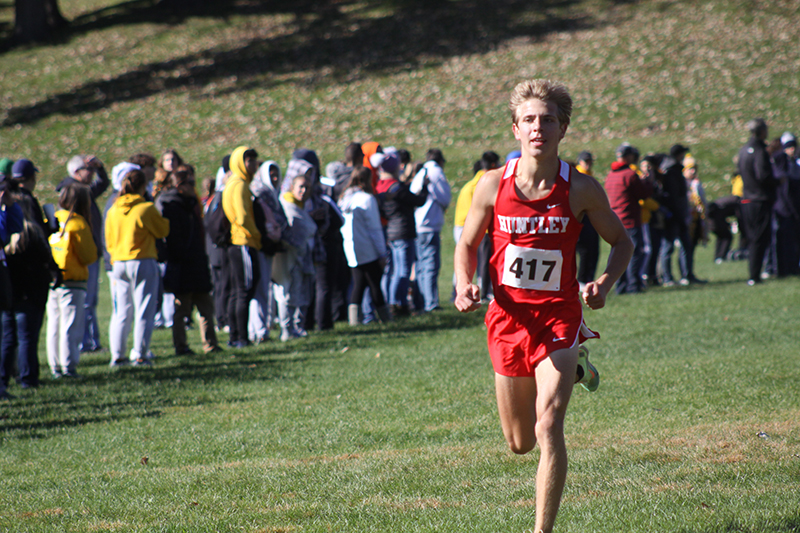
[(329, 41)]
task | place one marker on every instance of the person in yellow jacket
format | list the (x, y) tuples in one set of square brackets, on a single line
[(73, 249), (243, 272), (132, 227)]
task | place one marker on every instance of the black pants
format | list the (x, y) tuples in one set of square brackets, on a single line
[(243, 277), (588, 250), (484, 256), (368, 275), (218, 259), (758, 219)]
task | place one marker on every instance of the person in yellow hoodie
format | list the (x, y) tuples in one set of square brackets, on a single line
[(237, 202), (73, 249), (132, 227)]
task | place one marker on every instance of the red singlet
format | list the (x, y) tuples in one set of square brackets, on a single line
[(534, 243), (536, 309)]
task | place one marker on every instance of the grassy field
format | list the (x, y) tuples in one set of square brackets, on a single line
[(696, 425)]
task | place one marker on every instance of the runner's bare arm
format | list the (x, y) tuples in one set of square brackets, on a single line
[(591, 199), (468, 297)]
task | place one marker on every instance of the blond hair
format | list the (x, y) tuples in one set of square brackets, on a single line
[(546, 91)]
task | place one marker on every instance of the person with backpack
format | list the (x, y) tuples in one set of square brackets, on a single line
[(245, 239), (74, 249), (218, 233)]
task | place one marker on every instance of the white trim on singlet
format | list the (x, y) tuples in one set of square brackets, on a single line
[(511, 168), (565, 171)]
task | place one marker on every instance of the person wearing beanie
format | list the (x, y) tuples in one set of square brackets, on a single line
[(787, 208), (132, 226), (5, 168), (90, 171), (237, 202), (759, 190)]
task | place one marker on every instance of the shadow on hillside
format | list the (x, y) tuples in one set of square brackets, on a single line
[(330, 40)]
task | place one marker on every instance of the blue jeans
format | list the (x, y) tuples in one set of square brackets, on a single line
[(403, 255), (631, 279), (21, 329), (429, 261), (91, 333)]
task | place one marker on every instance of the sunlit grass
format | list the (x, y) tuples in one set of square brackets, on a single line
[(695, 425)]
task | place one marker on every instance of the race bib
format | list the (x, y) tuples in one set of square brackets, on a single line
[(531, 268)]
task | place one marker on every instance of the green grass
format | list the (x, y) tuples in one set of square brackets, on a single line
[(395, 428)]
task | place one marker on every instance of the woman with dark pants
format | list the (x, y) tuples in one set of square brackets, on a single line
[(364, 243), (31, 269)]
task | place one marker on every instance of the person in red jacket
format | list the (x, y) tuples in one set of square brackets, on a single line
[(625, 188)]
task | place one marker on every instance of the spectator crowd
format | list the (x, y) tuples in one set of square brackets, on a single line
[(254, 247)]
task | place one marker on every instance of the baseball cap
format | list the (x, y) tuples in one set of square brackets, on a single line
[(23, 169)]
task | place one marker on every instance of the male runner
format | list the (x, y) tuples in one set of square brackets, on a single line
[(532, 208)]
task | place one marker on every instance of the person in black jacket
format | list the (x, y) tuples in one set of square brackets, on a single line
[(187, 275), (397, 205), (759, 196), (89, 171), (675, 200), (31, 269), (786, 222)]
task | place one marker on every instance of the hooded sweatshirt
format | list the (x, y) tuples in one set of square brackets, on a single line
[(73, 246), (132, 227), (238, 203)]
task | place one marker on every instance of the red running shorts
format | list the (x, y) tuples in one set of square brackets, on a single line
[(521, 336)]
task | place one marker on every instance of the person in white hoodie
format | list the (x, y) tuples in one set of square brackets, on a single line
[(364, 243), (429, 220), (273, 225)]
